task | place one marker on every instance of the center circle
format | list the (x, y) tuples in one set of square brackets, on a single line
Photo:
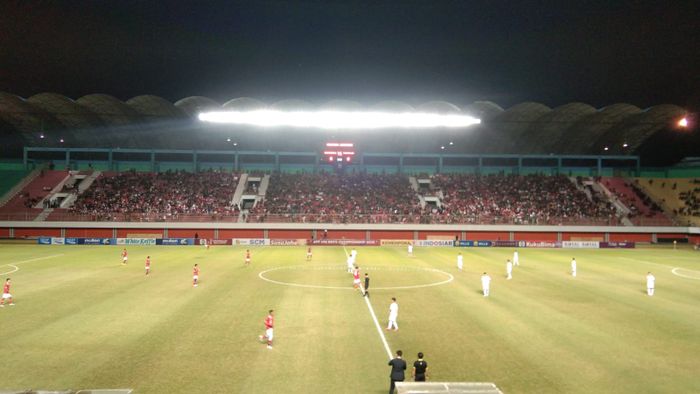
[(262, 275)]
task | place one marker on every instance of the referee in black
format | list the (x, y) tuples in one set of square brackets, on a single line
[(366, 293), (420, 369)]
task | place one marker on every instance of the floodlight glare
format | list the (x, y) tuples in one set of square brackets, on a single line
[(334, 120), (683, 122)]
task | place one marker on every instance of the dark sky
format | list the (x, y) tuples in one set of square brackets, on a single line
[(555, 52)]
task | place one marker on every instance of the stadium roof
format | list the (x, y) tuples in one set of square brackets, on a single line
[(98, 119)]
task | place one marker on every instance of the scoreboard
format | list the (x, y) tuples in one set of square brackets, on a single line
[(339, 153)]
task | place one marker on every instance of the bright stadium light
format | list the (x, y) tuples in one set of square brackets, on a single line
[(683, 122), (334, 120)]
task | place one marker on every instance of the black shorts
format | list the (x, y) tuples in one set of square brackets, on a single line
[(420, 378)]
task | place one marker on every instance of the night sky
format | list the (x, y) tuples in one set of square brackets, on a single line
[(598, 52)]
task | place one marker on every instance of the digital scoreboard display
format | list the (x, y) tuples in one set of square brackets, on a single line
[(339, 152)]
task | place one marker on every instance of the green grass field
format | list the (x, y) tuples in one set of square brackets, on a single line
[(82, 320)]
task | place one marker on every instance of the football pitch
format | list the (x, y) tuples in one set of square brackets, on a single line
[(82, 320)]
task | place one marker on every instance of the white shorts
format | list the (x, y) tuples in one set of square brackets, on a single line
[(308, 255), (393, 317), (269, 334), (195, 277), (247, 260), (124, 259), (148, 267), (356, 281), (6, 296)]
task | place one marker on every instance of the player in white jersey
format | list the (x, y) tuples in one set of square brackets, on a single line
[(353, 253), (351, 263), (393, 315), (410, 249), (485, 284), (460, 261), (651, 280), (573, 267), (509, 270), (516, 261)]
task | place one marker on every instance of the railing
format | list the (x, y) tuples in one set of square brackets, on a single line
[(63, 216)]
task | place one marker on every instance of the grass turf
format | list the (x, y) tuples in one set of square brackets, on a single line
[(83, 320)]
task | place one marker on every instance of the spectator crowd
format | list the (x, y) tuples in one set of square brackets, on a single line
[(172, 195), (531, 199)]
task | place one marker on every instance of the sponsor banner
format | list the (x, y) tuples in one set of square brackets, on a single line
[(98, 241), (58, 241), (435, 242), (213, 242), (542, 244), (144, 235), (350, 242), (136, 241), (74, 241), (395, 242), (284, 242), (44, 240), (580, 244), (617, 244), (507, 244), (175, 241), (250, 241), (470, 244)]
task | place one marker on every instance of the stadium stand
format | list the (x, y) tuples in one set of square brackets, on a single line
[(9, 178), (643, 210), (26, 205), (334, 198), (532, 199), (679, 196), (171, 195)]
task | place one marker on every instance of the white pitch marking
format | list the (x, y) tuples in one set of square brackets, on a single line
[(673, 271), (262, 276), (376, 324), (28, 261)]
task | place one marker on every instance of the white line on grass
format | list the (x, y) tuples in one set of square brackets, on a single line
[(673, 271), (376, 324), (28, 261), (374, 316)]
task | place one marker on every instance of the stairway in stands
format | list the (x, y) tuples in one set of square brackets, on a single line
[(645, 215), (26, 205)]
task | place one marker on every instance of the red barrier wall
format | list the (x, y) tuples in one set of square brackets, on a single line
[(124, 232), (588, 236), (671, 236), (337, 234), (391, 234), (227, 234), (37, 232), (630, 237), (451, 234), (535, 237), (4, 232), (487, 236), (89, 232), (289, 234), (189, 233)]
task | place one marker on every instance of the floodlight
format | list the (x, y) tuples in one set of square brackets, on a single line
[(683, 122), (333, 120)]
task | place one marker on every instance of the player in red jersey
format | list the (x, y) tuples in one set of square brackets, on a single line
[(308, 254), (148, 265), (269, 329), (195, 275), (356, 277), (6, 293), (124, 256), (247, 257)]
